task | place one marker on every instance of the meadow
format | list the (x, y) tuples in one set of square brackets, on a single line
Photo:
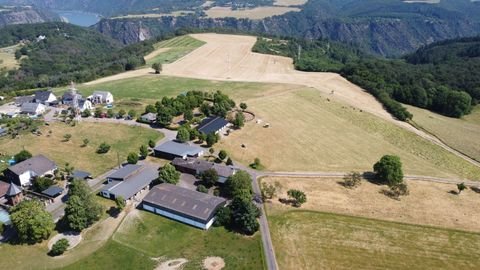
[(7, 57), (316, 240), (175, 49)]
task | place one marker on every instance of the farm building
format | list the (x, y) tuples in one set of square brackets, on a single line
[(10, 193), (24, 99), (196, 166), (33, 108), (191, 207), (171, 150), (149, 118), (128, 181), (53, 191), (213, 124), (80, 175), (101, 97), (45, 97), (71, 96), (22, 173)]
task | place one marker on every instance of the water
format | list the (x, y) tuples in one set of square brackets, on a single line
[(4, 217), (80, 18)]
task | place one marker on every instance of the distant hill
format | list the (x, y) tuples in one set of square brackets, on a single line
[(54, 54), (24, 15)]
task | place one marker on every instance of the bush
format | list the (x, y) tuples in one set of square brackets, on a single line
[(298, 197), (59, 247), (202, 188), (132, 158), (22, 155), (103, 148), (352, 180)]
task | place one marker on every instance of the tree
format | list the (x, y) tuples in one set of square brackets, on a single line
[(352, 180), (168, 174), (188, 115), (110, 113), (31, 221), (222, 155), (81, 210), (268, 191), (202, 137), (150, 109), (132, 158), (224, 217), (85, 142), (244, 216), (243, 106), (42, 183), (229, 161), (120, 202), (151, 144), (461, 187), (211, 151), (22, 155), (297, 196), (164, 116), (183, 135), (59, 247), (68, 169), (132, 113), (389, 170), (257, 164), (157, 67), (67, 137), (122, 113), (103, 148), (202, 188), (238, 185), (211, 139), (86, 113), (239, 120), (209, 177), (98, 112), (143, 151)]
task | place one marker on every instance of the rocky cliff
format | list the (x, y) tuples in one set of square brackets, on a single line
[(24, 15)]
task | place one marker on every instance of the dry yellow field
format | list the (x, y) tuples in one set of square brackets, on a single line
[(289, 2), (257, 13), (428, 203), (123, 139), (310, 133)]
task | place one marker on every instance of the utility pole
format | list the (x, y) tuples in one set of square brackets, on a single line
[(118, 160)]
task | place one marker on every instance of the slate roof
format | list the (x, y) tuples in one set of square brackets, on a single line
[(124, 172), (133, 183), (30, 107), (212, 124), (178, 149), (13, 190), (201, 165), (38, 164), (80, 174), (53, 191), (70, 94), (24, 99), (183, 201), (4, 187), (104, 94), (42, 96), (223, 171), (149, 117)]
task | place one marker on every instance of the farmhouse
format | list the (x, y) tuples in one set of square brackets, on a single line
[(171, 150), (128, 181), (197, 166), (213, 124), (71, 96), (148, 118), (22, 173), (33, 108), (84, 104), (101, 97), (24, 99), (191, 207), (45, 97)]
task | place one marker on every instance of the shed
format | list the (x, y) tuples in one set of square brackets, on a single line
[(53, 191), (213, 124), (171, 150), (81, 175)]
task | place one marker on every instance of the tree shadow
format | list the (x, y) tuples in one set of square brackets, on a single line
[(475, 189), (453, 192), (389, 194), (113, 211)]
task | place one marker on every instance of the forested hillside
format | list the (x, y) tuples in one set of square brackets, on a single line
[(23, 15), (56, 53)]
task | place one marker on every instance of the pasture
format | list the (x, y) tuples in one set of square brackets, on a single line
[(123, 140), (145, 239), (315, 240), (7, 57), (431, 204), (174, 49), (462, 134)]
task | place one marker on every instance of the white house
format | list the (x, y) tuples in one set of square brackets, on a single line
[(85, 104), (44, 97), (23, 172), (101, 97), (33, 108)]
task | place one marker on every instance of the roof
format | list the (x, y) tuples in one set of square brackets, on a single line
[(31, 107), (24, 99), (70, 94), (101, 93), (133, 184), (4, 187), (82, 102), (212, 124), (178, 149), (80, 174), (149, 116), (13, 190), (184, 201), (201, 165), (38, 164), (223, 171), (125, 172), (42, 95), (53, 191)]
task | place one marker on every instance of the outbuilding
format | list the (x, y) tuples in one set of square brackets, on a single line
[(171, 150), (213, 124), (181, 204), (45, 97), (33, 108)]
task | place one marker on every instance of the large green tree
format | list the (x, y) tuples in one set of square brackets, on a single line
[(244, 216), (183, 135), (31, 221), (238, 185), (22, 155), (168, 174), (209, 177), (389, 170), (297, 196), (82, 209)]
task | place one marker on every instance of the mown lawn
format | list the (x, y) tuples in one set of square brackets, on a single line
[(462, 134), (144, 237), (178, 47), (122, 138), (315, 240)]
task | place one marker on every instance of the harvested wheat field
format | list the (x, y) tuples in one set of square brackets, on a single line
[(257, 13), (432, 204)]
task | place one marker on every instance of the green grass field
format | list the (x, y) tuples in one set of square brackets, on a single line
[(178, 47), (462, 134), (7, 57), (144, 237), (315, 240), (123, 139)]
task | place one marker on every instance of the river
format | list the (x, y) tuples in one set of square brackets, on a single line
[(80, 18)]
